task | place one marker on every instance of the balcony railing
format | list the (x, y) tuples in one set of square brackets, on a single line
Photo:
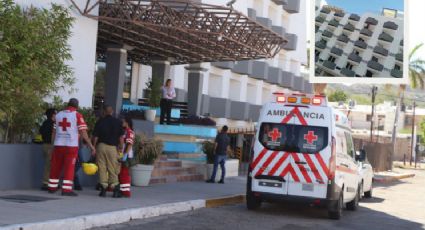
[(334, 23), (320, 19), (371, 21), (325, 10), (339, 14), (397, 73), (348, 72), (399, 57), (366, 32), (386, 37), (354, 17), (390, 25), (354, 57), (336, 51), (320, 45), (375, 65), (329, 65), (343, 38), (349, 27), (380, 50), (327, 33), (360, 44)]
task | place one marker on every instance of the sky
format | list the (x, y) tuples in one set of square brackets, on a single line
[(363, 6)]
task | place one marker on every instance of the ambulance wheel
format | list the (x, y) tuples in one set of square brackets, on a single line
[(368, 194), (252, 202), (354, 204), (337, 213)]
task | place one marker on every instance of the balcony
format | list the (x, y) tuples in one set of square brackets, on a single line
[(320, 45), (348, 72), (343, 38), (386, 37), (396, 73), (399, 57), (325, 10), (334, 23), (390, 25), (366, 32), (327, 34), (355, 58), (320, 19), (360, 44), (381, 50), (371, 21), (329, 65), (336, 51), (354, 17), (349, 27), (339, 14), (375, 65)]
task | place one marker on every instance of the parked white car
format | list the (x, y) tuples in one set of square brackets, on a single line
[(366, 173)]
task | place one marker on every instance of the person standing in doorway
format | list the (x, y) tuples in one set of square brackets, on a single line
[(222, 141), (124, 176), (46, 130), (168, 94), (69, 124), (107, 133)]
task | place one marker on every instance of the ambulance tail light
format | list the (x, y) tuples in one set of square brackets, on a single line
[(305, 100), (332, 160), (317, 101), (292, 99), (280, 99)]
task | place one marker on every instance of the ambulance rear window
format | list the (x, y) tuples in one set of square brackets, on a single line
[(293, 138)]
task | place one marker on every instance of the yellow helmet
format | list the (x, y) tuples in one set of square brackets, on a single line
[(89, 168)]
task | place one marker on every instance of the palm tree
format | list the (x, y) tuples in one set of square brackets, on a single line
[(416, 69)]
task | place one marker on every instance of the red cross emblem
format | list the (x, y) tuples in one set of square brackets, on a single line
[(310, 137), (64, 124), (275, 134)]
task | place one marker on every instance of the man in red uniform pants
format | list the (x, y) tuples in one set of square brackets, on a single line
[(124, 176), (68, 125)]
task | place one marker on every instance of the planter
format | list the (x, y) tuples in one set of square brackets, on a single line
[(141, 174), (150, 114), (232, 169)]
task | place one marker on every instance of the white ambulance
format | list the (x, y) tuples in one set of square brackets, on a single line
[(303, 151)]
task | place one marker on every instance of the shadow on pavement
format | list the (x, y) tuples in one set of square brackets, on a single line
[(389, 184), (372, 200)]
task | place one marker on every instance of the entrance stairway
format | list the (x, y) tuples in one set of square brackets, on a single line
[(169, 171)]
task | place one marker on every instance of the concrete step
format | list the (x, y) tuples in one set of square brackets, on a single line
[(179, 178), (172, 171), (176, 138), (184, 156), (167, 163)]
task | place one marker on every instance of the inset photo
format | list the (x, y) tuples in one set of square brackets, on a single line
[(359, 42)]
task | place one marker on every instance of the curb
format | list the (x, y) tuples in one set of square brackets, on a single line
[(387, 179), (217, 202), (126, 215)]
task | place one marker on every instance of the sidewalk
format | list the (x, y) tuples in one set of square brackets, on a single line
[(89, 210), (390, 176)]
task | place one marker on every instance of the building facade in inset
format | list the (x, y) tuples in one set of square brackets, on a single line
[(350, 45)]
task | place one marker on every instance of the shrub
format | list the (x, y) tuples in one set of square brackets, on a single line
[(146, 150)]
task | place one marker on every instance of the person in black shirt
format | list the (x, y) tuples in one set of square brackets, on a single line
[(107, 135), (222, 141), (46, 133)]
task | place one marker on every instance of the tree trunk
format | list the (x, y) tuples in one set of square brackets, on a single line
[(401, 90)]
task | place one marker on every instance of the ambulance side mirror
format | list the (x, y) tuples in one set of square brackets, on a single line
[(360, 155)]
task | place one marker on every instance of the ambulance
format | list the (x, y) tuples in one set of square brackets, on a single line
[(303, 152)]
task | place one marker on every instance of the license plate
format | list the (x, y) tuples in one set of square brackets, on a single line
[(308, 187), (270, 184)]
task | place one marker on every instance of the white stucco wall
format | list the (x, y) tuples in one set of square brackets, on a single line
[(83, 50)]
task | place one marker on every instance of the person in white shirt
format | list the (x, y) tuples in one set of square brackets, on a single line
[(168, 94)]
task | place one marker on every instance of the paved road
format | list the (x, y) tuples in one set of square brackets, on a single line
[(394, 206)]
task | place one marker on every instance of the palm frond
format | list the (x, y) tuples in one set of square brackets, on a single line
[(412, 53)]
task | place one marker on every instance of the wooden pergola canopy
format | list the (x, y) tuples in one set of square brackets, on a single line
[(181, 31)]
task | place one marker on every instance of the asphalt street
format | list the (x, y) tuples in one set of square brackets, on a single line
[(398, 205)]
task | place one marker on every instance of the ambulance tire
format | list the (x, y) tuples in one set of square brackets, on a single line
[(368, 194), (336, 214), (354, 204), (252, 202)]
